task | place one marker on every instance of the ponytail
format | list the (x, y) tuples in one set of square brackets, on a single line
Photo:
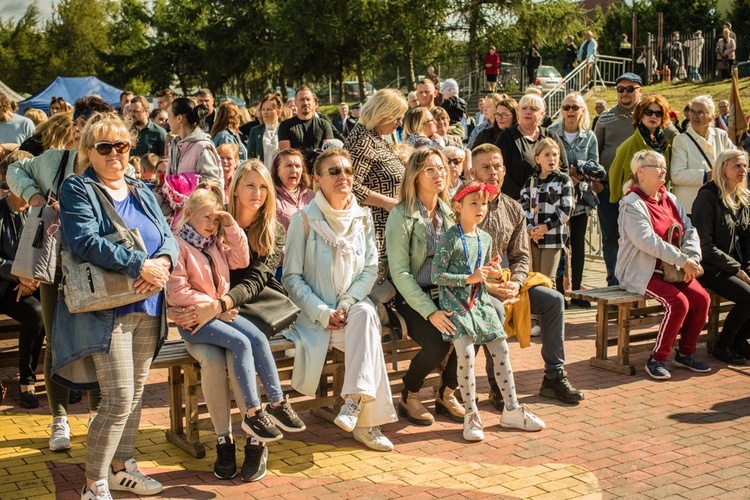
[(194, 114)]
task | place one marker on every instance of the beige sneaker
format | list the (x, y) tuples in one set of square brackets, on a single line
[(521, 418), (372, 438)]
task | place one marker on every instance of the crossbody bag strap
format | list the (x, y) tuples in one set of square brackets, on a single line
[(61, 172), (109, 209), (703, 153)]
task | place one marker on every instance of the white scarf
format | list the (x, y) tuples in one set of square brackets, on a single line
[(339, 229)]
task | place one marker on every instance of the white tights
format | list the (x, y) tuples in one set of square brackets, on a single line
[(498, 349)]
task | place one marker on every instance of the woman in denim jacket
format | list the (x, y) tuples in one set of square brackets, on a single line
[(112, 349), (573, 127)]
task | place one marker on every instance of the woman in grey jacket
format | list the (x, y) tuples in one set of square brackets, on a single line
[(647, 212)]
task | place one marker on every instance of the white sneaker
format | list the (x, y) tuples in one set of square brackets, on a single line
[(521, 418), (133, 480), (92, 416), (99, 490), (473, 427), (536, 331), (372, 438), (347, 418), (60, 438)]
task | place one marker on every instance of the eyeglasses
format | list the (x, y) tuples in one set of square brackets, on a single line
[(336, 171), (659, 167), (503, 116), (432, 120), (433, 171), (629, 89), (651, 112), (568, 107), (699, 113), (457, 160), (105, 148)]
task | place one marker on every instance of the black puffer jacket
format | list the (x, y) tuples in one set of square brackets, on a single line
[(718, 228)]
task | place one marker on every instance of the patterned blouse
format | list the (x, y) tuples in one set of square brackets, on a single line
[(376, 168)]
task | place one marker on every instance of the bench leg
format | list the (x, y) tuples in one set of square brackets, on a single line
[(185, 436), (623, 340), (623, 337), (712, 327)]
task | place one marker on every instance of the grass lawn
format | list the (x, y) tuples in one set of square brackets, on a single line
[(680, 94)]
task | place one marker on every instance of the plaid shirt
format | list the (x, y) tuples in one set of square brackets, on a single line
[(549, 201)]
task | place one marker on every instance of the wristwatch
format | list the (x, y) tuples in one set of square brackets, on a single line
[(223, 304)]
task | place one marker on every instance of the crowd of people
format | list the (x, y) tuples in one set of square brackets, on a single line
[(476, 232)]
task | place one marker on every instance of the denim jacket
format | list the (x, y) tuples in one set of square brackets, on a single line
[(584, 148), (76, 336)]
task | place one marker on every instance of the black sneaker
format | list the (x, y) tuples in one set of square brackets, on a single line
[(496, 398), (284, 416), (74, 396), (255, 466), (261, 427), (29, 399), (225, 466), (560, 388)]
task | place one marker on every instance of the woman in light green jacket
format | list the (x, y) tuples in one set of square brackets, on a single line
[(412, 232)]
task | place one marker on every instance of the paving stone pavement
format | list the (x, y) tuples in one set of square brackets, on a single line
[(632, 437)]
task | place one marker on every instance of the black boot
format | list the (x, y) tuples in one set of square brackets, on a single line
[(560, 388)]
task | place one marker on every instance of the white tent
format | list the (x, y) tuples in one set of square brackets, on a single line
[(13, 96)]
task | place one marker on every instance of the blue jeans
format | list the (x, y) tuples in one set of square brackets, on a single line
[(251, 354), (693, 75), (608, 215)]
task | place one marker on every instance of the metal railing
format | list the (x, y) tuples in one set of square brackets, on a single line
[(596, 70)]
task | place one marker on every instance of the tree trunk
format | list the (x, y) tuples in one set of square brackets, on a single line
[(361, 81), (410, 68), (474, 21)]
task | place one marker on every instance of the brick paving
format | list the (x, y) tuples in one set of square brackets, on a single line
[(632, 437)]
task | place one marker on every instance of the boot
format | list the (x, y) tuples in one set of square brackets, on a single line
[(560, 388), (412, 409), (447, 404)]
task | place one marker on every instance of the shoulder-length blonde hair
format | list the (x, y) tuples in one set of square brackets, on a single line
[(740, 197), (227, 118), (414, 121), (384, 106), (414, 167), (584, 121), (56, 131), (261, 234), (96, 127)]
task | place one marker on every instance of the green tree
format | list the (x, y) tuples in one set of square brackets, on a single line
[(78, 36), (23, 53), (129, 46)]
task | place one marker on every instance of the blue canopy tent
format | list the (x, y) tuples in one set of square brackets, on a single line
[(71, 89)]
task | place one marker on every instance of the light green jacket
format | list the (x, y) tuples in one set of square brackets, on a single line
[(37, 175), (406, 249)]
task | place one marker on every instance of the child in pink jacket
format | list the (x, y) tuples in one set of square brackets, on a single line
[(210, 244)]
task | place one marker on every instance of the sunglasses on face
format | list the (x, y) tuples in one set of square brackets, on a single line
[(568, 107), (336, 171), (652, 112), (629, 89), (458, 160), (105, 148)]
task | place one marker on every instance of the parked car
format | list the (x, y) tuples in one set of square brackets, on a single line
[(547, 77)]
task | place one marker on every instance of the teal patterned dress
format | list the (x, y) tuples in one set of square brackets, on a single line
[(449, 272)]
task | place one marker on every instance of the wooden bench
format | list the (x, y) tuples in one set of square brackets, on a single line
[(188, 416), (9, 329), (636, 312)]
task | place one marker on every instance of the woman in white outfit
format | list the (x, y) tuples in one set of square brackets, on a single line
[(694, 153), (330, 266)]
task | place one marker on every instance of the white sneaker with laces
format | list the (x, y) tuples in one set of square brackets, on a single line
[(99, 490), (92, 416), (133, 480), (473, 427), (536, 331), (521, 418), (372, 438), (347, 418), (60, 438)]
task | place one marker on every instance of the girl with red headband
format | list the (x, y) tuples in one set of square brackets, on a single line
[(460, 268)]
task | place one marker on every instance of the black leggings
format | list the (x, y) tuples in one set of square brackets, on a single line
[(28, 312), (578, 225), (434, 349), (737, 323)]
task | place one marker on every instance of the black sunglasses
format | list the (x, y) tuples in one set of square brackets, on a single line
[(629, 89), (105, 148), (336, 171), (568, 107), (651, 112)]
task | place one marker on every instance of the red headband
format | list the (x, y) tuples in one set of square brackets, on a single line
[(473, 188)]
